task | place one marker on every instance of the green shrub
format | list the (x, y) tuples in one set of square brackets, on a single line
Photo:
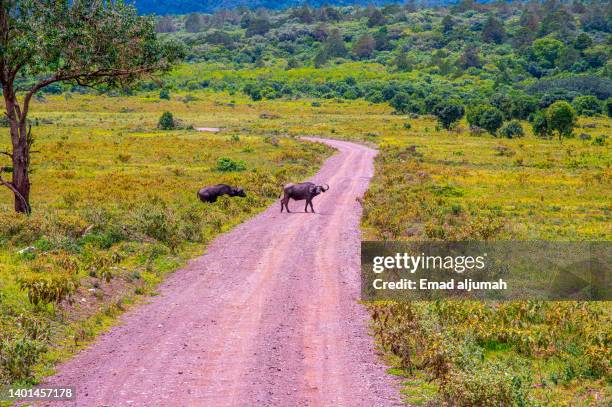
[(164, 94), (47, 288), (587, 105), (18, 357), (225, 164), (540, 125), (166, 121), (486, 117), (512, 129), (485, 385), (448, 112)]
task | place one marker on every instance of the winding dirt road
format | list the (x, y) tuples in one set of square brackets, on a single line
[(268, 317)]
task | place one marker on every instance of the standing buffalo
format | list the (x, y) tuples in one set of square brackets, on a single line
[(299, 192), (210, 194)]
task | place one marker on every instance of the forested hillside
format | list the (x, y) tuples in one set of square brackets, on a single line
[(161, 7), (519, 57)]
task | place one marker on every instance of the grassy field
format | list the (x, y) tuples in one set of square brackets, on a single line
[(115, 209)]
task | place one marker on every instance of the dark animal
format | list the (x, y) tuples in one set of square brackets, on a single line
[(210, 194), (299, 192)]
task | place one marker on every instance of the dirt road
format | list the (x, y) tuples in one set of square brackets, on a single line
[(268, 317)]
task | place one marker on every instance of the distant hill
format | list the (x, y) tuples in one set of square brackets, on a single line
[(161, 7)]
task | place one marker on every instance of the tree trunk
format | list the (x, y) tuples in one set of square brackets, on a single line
[(20, 138), (21, 166)]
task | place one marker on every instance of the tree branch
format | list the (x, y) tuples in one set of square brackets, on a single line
[(10, 186), (7, 153)]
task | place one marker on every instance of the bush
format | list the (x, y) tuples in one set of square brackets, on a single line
[(48, 288), (18, 357), (486, 117), (225, 164), (448, 113), (166, 121), (164, 94), (512, 129), (540, 126), (484, 386), (587, 105)]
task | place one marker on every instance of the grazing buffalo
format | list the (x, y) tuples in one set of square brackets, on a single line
[(299, 192), (210, 194)]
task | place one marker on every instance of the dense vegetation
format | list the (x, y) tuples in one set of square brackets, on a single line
[(519, 58)]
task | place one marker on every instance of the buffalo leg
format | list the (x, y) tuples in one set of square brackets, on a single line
[(306, 208), (311, 207)]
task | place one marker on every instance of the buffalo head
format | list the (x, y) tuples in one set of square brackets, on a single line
[(317, 189), (238, 192)]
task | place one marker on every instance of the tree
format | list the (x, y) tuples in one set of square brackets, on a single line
[(512, 129), (547, 51), (469, 58), (608, 106), (194, 23), (493, 31), (491, 120), (381, 39), (85, 43), (561, 118), (364, 46), (258, 26), (583, 41), (400, 102), (403, 62), (334, 45), (587, 105), (448, 112), (540, 126), (376, 18), (486, 117), (447, 24), (303, 14)]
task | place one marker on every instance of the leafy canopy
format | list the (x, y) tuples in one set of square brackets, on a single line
[(89, 42)]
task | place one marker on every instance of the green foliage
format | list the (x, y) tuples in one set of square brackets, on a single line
[(164, 94), (448, 112), (48, 288), (512, 129), (364, 46), (587, 105), (561, 118), (96, 42), (166, 122), (225, 164), (483, 354), (540, 125), (258, 26), (493, 31), (608, 106), (486, 117), (546, 51), (17, 358)]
